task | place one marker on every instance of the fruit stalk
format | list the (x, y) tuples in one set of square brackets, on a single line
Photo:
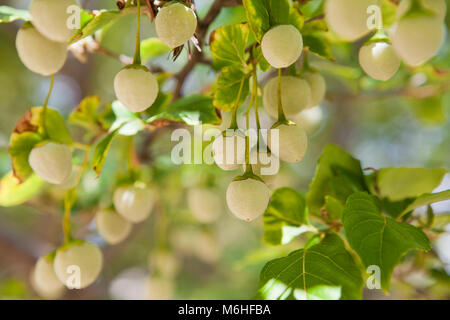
[(137, 51), (44, 107)]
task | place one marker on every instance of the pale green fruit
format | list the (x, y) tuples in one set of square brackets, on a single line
[(164, 263), (295, 96), (112, 226), (310, 119), (50, 17), (291, 144), (318, 87), (348, 18), (417, 39), (248, 199), (379, 60), (136, 88), (51, 161), (175, 24), (38, 53), (264, 165), (133, 203), (229, 151), (77, 265), (44, 280), (282, 45), (205, 204), (437, 6)]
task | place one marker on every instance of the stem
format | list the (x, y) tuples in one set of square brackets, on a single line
[(255, 92), (233, 124), (67, 224), (44, 107), (137, 52), (281, 116)]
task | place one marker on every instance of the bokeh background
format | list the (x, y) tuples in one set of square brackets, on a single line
[(176, 253)]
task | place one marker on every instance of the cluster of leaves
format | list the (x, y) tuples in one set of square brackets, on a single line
[(356, 220)]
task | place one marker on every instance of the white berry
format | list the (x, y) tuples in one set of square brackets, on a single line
[(248, 199), (318, 87), (51, 161), (282, 46), (437, 6), (295, 96), (417, 39), (53, 18), (133, 203), (38, 53), (205, 204), (265, 165), (379, 60), (348, 18), (229, 151), (175, 24), (112, 226), (77, 265), (291, 144), (136, 88), (45, 281)]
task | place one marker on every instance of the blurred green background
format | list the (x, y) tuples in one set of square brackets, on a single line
[(173, 254)]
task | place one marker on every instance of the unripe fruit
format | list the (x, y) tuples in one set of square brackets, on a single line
[(348, 18), (204, 204), (282, 45), (112, 226), (318, 87), (229, 151), (310, 119), (78, 261), (133, 203), (248, 199), (295, 96), (50, 17), (291, 144), (45, 281), (51, 161), (175, 24), (417, 39), (437, 6), (379, 60), (264, 165), (136, 88), (38, 53)]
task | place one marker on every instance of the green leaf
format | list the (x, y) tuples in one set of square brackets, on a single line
[(257, 16), (296, 18), (427, 199), (322, 271), (227, 90), (101, 151), (193, 110), (333, 208), (86, 114), (20, 147), (318, 45), (9, 14), (151, 48), (400, 183), (279, 12), (96, 23), (228, 46), (338, 174), (379, 240), (14, 193), (127, 122), (285, 218), (55, 127)]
